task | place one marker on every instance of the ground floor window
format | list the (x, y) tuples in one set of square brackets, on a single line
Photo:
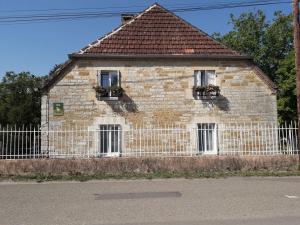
[(207, 138), (109, 139)]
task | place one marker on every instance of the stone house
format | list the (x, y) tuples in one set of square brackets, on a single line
[(155, 70)]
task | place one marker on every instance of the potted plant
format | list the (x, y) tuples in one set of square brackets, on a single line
[(207, 91), (116, 91), (212, 90), (199, 90), (101, 91)]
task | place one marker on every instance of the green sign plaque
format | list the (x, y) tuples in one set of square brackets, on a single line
[(58, 109)]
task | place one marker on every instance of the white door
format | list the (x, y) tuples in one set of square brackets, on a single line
[(109, 140), (207, 138)]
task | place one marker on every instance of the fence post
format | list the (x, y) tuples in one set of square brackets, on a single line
[(88, 148), (34, 142), (191, 143), (140, 134)]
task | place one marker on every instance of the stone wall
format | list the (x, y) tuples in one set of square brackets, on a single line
[(159, 92)]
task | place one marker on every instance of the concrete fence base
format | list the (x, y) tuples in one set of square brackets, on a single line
[(147, 165)]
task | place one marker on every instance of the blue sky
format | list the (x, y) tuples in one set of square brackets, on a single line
[(36, 47)]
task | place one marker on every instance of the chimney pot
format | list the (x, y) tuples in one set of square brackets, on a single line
[(126, 17)]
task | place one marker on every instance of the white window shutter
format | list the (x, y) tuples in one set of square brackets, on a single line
[(211, 77), (197, 77), (99, 77)]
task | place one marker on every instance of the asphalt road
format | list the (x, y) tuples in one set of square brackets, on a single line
[(230, 201)]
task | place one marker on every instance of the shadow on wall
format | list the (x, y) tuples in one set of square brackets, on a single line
[(124, 104), (221, 102)]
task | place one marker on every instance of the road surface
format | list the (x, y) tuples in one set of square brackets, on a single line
[(225, 201)]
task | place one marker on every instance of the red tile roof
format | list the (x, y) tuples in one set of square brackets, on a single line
[(157, 31)]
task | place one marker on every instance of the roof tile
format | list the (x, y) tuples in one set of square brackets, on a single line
[(160, 32)]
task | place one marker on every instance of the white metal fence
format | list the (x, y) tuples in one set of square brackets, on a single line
[(114, 140)]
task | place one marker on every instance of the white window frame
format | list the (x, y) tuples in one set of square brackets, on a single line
[(208, 76), (109, 130), (110, 73), (214, 141)]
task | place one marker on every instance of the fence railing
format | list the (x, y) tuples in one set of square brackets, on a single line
[(115, 140)]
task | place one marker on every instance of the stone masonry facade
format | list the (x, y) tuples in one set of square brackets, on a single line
[(158, 92)]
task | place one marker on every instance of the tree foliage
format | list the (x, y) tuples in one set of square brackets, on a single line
[(270, 44), (20, 96), (287, 100)]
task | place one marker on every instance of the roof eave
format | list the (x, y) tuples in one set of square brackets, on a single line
[(141, 56), (56, 75)]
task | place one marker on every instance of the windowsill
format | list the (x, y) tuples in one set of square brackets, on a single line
[(108, 98), (206, 97), (207, 153), (107, 155)]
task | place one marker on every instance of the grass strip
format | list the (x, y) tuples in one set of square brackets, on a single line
[(42, 177)]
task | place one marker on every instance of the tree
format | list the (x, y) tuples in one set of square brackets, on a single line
[(247, 34), (20, 96), (53, 70), (270, 44), (266, 42), (277, 43), (287, 100)]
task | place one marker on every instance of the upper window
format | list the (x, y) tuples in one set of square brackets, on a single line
[(205, 77), (109, 84), (109, 78)]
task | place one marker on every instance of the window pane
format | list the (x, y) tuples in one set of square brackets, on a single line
[(211, 136), (115, 138), (201, 137), (109, 139), (104, 80), (103, 139), (114, 79), (211, 77), (206, 137), (203, 78)]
